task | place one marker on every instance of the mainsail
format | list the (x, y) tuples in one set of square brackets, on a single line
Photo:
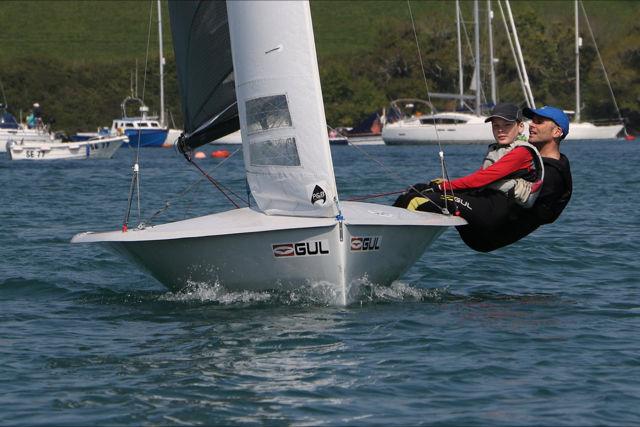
[(284, 130), (277, 97), (205, 71)]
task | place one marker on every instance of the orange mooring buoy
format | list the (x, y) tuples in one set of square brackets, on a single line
[(629, 137), (220, 154), (200, 155)]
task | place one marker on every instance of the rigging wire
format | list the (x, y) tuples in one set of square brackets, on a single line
[(216, 184), (146, 57), (193, 185), (135, 186), (606, 77), (443, 166), (513, 53)]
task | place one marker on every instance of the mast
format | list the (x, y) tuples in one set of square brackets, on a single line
[(578, 44), (513, 53), (530, 101), (492, 71), (476, 18), (460, 71), (162, 118)]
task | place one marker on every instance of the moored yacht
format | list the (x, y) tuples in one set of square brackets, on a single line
[(444, 128)]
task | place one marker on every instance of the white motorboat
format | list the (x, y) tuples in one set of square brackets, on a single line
[(299, 234), (95, 148), (11, 130)]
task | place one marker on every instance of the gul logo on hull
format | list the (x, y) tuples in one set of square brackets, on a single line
[(369, 243), (311, 248)]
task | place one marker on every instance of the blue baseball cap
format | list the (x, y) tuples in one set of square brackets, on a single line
[(553, 113)]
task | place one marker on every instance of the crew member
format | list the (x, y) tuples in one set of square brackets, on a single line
[(548, 127), (511, 174)]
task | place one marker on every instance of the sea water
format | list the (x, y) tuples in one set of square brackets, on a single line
[(544, 332)]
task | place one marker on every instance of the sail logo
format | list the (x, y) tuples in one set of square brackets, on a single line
[(369, 243), (310, 248), (318, 195)]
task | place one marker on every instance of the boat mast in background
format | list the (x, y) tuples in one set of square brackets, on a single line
[(529, 94), (476, 19), (460, 70), (492, 71), (161, 55), (578, 45)]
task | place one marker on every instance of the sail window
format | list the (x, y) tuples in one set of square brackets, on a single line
[(268, 112), (275, 152)]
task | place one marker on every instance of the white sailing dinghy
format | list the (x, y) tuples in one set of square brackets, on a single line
[(299, 234)]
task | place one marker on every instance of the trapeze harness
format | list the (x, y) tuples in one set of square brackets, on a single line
[(523, 185)]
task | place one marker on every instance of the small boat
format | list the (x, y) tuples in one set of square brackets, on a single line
[(144, 130), (95, 148), (367, 132), (299, 233), (11, 130), (335, 138), (590, 131)]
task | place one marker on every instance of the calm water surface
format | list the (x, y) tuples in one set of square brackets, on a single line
[(545, 332)]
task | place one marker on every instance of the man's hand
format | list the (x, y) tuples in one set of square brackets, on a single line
[(436, 184)]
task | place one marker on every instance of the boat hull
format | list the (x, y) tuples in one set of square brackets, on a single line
[(102, 148), (589, 131), (28, 136), (417, 133), (146, 137), (375, 244)]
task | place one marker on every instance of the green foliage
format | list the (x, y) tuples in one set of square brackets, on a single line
[(78, 96), (76, 58)]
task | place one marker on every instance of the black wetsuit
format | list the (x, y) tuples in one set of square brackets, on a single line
[(485, 208), (496, 220), (554, 197)]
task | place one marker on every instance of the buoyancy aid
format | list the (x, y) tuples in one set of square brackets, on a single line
[(523, 185)]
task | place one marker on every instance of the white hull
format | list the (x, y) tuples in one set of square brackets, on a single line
[(585, 130), (366, 140), (247, 250), (172, 137), (476, 131), (99, 148), (28, 136), (417, 131)]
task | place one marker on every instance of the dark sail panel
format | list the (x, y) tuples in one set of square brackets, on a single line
[(202, 48)]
